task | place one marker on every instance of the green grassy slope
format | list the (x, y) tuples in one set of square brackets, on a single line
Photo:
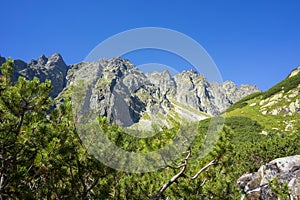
[(277, 109)]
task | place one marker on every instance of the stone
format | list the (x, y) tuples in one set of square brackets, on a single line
[(293, 94), (292, 107), (276, 97), (286, 170), (264, 112), (262, 102), (275, 112), (264, 133), (288, 127), (287, 163)]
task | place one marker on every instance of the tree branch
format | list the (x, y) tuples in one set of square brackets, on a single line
[(204, 168), (182, 174), (174, 178)]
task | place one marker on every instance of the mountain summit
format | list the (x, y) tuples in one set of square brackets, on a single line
[(127, 96), (52, 68)]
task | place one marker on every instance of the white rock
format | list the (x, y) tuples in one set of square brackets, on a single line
[(271, 103), (288, 127), (264, 112), (276, 97), (295, 72), (264, 133), (292, 107), (262, 102), (287, 163)]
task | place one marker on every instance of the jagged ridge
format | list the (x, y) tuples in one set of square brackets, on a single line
[(126, 96)]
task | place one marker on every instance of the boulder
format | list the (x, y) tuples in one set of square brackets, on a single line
[(285, 170)]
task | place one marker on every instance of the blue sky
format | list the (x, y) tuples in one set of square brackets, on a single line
[(256, 42)]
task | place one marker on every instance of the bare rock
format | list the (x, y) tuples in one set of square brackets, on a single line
[(286, 170)]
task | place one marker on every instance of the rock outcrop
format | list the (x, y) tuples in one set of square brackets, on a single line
[(295, 72), (276, 173), (282, 103)]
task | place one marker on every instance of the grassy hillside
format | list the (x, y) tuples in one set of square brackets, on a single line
[(277, 109), (265, 126)]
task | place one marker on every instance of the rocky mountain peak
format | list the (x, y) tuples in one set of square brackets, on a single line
[(55, 57), (56, 61), (125, 95), (42, 60), (119, 64), (52, 68)]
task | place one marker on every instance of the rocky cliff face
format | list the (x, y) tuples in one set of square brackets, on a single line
[(52, 68), (127, 96)]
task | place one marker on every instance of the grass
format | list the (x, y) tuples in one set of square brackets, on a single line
[(286, 85), (267, 121), (243, 102)]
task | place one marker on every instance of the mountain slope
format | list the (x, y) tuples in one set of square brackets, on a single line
[(277, 109), (266, 126), (127, 96)]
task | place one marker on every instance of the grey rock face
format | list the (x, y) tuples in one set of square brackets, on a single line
[(285, 170), (114, 83), (52, 68), (212, 98), (124, 94)]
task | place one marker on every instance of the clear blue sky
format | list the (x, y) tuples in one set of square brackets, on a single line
[(256, 42)]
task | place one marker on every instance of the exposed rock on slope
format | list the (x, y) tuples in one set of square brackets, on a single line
[(285, 170), (295, 72), (125, 95), (277, 109), (286, 101)]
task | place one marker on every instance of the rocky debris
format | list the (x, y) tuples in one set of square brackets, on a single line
[(286, 170), (283, 103)]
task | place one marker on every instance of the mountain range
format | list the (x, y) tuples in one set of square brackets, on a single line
[(260, 155), (128, 97)]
